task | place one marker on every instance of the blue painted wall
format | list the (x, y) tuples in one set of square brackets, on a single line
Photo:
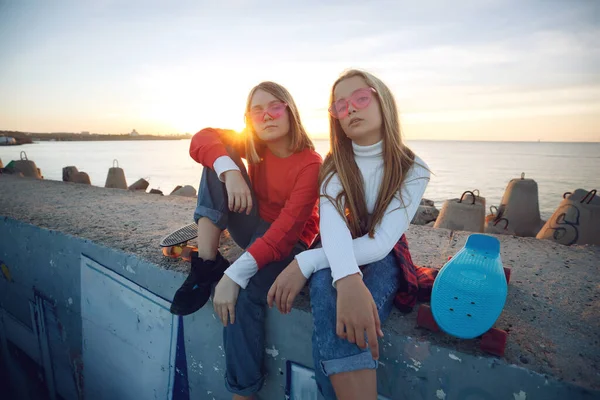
[(79, 320)]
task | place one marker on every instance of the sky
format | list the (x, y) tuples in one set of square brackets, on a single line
[(460, 70)]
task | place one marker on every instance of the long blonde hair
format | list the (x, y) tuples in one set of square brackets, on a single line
[(397, 160), (300, 139)]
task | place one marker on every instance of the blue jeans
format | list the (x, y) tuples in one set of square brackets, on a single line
[(243, 341), (212, 203), (332, 354)]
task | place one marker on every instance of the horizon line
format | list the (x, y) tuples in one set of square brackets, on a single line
[(319, 138)]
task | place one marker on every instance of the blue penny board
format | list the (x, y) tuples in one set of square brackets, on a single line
[(470, 290)]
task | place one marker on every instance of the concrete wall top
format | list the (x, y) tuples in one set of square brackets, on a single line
[(552, 312)]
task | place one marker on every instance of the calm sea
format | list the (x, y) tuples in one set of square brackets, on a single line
[(457, 166)]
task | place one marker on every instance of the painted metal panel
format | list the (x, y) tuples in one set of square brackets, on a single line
[(129, 337), (41, 332), (60, 371), (301, 384), (20, 334)]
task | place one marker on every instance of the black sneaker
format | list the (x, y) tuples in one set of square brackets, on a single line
[(195, 291)]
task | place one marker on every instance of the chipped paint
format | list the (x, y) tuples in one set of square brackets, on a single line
[(454, 357), (440, 394), (520, 396), (70, 301), (129, 269), (272, 352), (416, 363), (196, 366), (413, 367)]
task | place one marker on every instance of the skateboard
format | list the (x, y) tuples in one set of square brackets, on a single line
[(469, 294), (175, 244)]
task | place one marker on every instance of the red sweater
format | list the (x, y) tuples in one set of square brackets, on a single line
[(287, 190)]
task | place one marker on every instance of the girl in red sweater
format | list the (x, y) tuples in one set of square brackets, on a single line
[(270, 210)]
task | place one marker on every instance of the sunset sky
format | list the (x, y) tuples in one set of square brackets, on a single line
[(473, 70)]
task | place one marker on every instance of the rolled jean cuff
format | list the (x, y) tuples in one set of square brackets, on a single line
[(248, 391), (356, 362), (218, 218)]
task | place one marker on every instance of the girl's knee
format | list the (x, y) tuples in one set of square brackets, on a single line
[(320, 280), (253, 296), (245, 300)]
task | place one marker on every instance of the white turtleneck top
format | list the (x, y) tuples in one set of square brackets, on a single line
[(340, 252)]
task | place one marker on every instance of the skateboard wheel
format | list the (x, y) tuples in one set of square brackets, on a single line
[(186, 253), (172, 251), (425, 318), (176, 251), (507, 274), (494, 342)]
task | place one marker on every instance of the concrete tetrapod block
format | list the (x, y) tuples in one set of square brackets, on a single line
[(575, 221), (520, 206), (116, 177), (140, 184), (186, 191), (26, 167), (68, 173), (460, 215)]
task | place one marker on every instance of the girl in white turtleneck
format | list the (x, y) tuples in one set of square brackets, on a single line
[(371, 187)]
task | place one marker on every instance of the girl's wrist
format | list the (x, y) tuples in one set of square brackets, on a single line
[(348, 281)]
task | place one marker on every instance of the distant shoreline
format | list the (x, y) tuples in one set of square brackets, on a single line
[(30, 137)]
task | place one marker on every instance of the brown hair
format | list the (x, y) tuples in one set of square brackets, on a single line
[(397, 160), (300, 139)]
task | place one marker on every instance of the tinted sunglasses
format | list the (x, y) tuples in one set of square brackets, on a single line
[(274, 111), (360, 99)]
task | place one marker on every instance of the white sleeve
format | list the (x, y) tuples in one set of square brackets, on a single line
[(244, 268), (335, 235), (224, 164), (366, 250)]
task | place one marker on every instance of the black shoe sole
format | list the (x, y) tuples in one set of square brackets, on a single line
[(200, 299)]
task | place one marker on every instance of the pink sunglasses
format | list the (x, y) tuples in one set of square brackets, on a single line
[(360, 98), (275, 111)]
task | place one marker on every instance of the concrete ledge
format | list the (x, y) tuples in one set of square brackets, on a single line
[(551, 314)]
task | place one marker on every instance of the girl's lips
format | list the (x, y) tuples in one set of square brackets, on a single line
[(354, 121)]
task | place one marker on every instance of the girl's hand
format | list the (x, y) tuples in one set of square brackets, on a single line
[(238, 193), (286, 287), (357, 314), (226, 294)]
